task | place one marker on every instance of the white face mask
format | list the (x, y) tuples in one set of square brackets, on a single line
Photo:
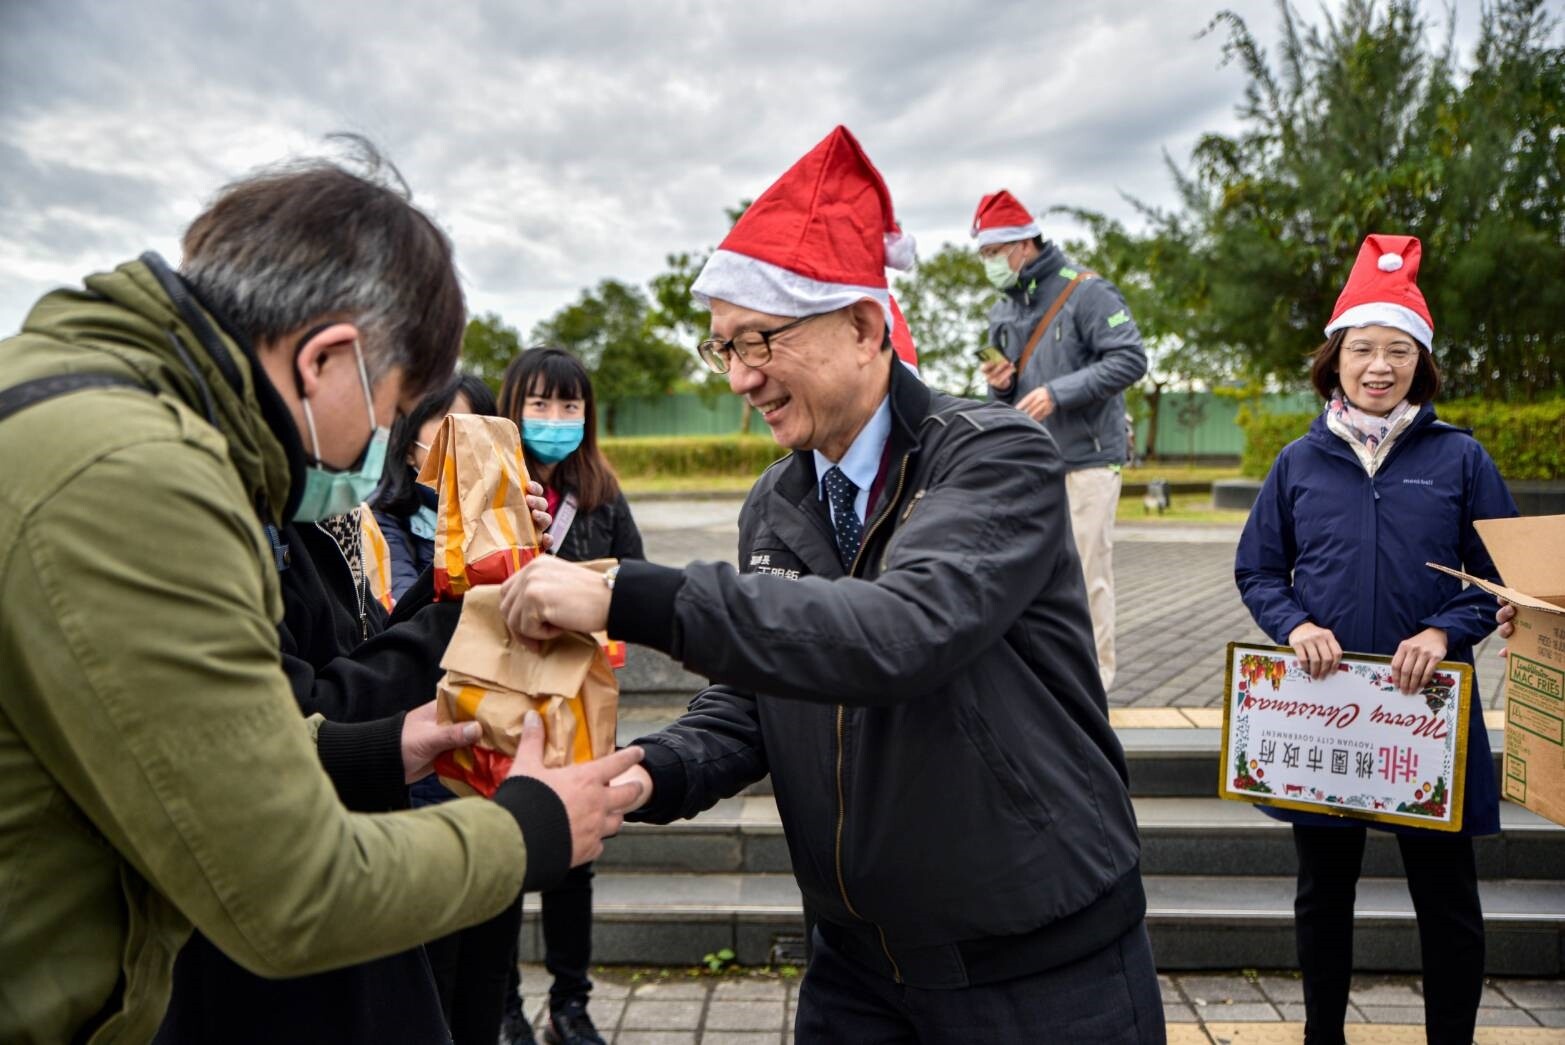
[(997, 269)]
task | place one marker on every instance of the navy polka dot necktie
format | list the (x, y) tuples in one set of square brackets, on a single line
[(841, 491)]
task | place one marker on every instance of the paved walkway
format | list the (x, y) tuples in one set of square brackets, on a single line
[(679, 1007), (1177, 604)]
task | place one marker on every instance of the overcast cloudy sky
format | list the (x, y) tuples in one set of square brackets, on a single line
[(560, 143)]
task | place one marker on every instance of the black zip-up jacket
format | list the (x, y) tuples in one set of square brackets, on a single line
[(954, 800)]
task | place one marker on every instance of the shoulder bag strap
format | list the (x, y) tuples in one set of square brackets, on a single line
[(1048, 317)]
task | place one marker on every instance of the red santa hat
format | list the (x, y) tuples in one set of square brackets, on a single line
[(819, 239), (902, 338), (1383, 290), (1001, 218)]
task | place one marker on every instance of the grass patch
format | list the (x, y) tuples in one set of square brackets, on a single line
[(738, 485), (1175, 472), (1184, 508)]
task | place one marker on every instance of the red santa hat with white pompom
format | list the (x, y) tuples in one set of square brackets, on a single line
[(1382, 290), (819, 239), (1001, 218)]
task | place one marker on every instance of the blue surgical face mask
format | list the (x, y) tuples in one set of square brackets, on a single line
[(329, 492), (423, 522), (552, 441)]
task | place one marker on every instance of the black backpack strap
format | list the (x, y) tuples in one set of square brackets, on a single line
[(29, 393)]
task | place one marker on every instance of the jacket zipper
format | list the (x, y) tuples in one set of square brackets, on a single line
[(842, 805)]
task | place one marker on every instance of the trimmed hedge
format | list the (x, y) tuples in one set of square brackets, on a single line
[(648, 457), (1526, 440)]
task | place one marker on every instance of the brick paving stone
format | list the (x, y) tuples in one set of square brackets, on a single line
[(745, 1015), (1381, 993), (672, 990), (1237, 1033), (1241, 1012), (1409, 1014), (1214, 990), (1179, 1014), (1534, 994), (728, 1037), (655, 1037), (662, 1015), (1491, 998), (761, 990), (1506, 1017), (1549, 1017), (1283, 989)]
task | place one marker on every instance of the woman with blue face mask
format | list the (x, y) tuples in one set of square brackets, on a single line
[(405, 508), (548, 394)]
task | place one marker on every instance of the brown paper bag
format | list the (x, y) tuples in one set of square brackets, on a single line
[(483, 528), (495, 679)]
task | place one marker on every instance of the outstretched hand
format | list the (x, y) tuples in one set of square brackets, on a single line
[(595, 804)]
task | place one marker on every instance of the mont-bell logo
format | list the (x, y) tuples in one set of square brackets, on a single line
[(1419, 482)]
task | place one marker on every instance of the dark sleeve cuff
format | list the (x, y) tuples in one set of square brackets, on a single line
[(364, 761), (642, 607), (667, 771), (546, 830)]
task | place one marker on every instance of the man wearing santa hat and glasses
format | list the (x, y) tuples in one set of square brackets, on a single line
[(905, 648), (1068, 348)]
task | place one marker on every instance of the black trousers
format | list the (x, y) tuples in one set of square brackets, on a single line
[(567, 938), (1107, 998), (1443, 880), (469, 967)]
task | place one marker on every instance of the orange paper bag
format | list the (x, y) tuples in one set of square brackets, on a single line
[(483, 528), (494, 679), (375, 555)]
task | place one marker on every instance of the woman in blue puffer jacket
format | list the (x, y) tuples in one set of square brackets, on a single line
[(1332, 559)]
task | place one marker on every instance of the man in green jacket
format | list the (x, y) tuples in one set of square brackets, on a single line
[(157, 429)]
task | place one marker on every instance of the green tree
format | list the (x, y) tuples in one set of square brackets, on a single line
[(488, 346), (609, 328), (945, 300), (1361, 125)]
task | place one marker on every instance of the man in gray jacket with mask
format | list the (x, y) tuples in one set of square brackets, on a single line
[(1070, 349)]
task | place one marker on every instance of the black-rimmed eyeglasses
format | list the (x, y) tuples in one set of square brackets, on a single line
[(753, 347)]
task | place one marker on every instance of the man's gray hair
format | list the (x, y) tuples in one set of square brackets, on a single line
[(313, 242)]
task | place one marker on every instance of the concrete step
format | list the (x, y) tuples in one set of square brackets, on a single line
[(1179, 836), (1196, 922), (1164, 761)]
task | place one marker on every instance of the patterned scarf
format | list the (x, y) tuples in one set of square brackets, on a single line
[(1369, 436)]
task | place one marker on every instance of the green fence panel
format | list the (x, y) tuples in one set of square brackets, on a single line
[(1202, 424), (682, 413)]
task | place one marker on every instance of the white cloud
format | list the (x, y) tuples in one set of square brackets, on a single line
[(564, 143)]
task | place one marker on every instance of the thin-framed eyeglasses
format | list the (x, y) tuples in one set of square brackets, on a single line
[(753, 347), (1398, 355)]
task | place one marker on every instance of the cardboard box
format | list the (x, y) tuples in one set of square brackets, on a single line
[(1530, 555)]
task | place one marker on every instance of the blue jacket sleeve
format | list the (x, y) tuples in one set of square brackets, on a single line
[(1469, 617), (404, 559), (1263, 565)]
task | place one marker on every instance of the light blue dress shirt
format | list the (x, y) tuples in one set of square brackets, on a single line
[(861, 464)]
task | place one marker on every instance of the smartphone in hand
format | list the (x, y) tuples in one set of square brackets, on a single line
[(990, 354)]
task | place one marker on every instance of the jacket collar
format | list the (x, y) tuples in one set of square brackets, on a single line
[(1423, 422), (1037, 273), (150, 321), (796, 512)]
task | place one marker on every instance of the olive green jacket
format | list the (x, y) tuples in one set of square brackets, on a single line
[(154, 769)]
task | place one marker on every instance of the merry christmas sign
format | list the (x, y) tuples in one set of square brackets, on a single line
[(1351, 744)]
